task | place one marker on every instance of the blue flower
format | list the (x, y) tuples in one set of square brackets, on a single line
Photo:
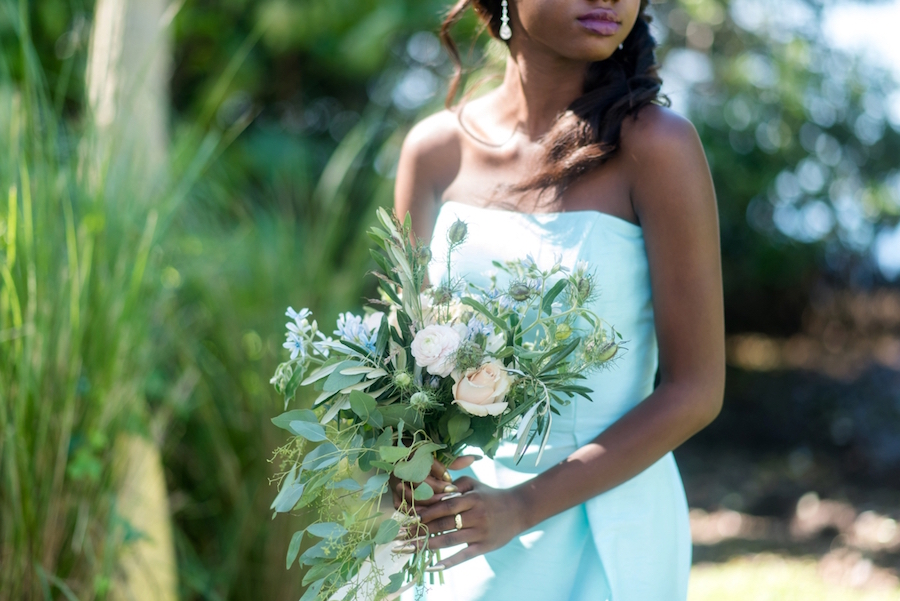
[(477, 326), (296, 345), (301, 320), (359, 331)]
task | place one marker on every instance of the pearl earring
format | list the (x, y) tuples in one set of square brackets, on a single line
[(621, 46), (505, 31)]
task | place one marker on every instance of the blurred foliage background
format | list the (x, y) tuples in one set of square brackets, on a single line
[(283, 122)]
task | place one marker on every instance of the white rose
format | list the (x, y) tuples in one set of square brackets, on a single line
[(480, 390), (433, 348)]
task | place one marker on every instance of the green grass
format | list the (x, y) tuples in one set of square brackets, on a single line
[(81, 224)]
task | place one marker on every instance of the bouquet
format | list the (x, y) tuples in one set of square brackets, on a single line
[(436, 370)]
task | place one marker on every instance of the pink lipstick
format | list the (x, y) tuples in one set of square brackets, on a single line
[(602, 21)]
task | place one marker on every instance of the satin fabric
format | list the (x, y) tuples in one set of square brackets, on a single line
[(633, 542)]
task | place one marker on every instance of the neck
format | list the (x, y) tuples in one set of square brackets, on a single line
[(537, 87)]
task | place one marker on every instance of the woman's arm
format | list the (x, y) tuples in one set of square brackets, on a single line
[(674, 199), (429, 160)]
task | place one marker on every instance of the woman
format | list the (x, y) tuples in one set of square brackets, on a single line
[(570, 158)]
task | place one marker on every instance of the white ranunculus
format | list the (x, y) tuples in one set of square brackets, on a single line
[(433, 348), (480, 390)]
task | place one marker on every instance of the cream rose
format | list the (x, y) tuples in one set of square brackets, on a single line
[(433, 348), (481, 390)]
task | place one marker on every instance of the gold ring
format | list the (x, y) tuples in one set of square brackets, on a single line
[(457, 520)]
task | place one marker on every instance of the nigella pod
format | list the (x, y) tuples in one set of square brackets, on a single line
[(457, 232), (423, 255)]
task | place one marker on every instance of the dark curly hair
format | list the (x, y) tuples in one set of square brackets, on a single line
[(587, 134)]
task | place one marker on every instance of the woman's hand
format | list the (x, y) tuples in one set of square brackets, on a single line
[(439, 480), (490, 518)]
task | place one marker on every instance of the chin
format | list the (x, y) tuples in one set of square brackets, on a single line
[(593, 53)]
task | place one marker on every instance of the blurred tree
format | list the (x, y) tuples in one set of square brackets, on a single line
[(799, 144)]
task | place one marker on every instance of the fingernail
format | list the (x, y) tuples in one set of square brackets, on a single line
[(447, 477), (451, 488), (452, 495), (435, 568)]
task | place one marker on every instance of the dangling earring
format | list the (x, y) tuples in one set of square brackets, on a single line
[(621, 46), (505, 31)]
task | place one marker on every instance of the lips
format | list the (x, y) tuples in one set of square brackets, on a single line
[(602, 21)]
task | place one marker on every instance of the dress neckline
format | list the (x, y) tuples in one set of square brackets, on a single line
[(624, 225)]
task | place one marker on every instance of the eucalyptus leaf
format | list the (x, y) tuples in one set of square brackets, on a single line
[(284, 420), (347, 484), (324, 548), (321, 372), (327, 530), (322, 456), (417, 468), (362, 404), (312, 590), (374, 486), (363, 550), (396, 581), (289, 493), (312, 432), (387, 531), (423, 492), (338, 381), (320, 571), (294, 548), (394, 414), (393, 454)]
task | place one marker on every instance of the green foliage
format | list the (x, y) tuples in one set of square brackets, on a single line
[(800, 149), (79, 300)]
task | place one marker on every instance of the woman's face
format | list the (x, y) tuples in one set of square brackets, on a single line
[(586, 30)]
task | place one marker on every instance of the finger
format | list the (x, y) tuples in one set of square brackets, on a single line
[(403, 491), (465, 484), (466, 554), (469, 519), (441, 486), (463, 462), (446, 508), (452, 539), (439, 471)]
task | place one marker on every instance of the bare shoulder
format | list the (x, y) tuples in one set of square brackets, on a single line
[(657, 130), (429, 161), (433, 144), (666, 165)]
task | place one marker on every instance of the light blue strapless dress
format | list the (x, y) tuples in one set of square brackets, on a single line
[(633, 542)]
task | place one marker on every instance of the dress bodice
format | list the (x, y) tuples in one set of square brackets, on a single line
[(614, 250), (632, 542)]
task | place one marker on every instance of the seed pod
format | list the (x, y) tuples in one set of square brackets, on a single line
[(606, 352), (583, 286), (423, 255), (402, 379), (442, 295), (563, 331), (520, 291), (457, 232)]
